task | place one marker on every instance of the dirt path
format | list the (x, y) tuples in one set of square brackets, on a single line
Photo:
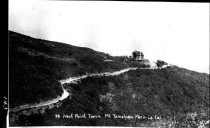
[(75, 80)]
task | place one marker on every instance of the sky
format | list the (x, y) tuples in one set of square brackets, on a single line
[(177, 33)]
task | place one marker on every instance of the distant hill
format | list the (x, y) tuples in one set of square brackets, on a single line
[(35, 66)]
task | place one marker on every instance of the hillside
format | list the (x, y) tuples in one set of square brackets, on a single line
[(177, 95), (36, 65)]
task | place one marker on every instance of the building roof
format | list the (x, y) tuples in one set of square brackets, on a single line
[(139, 53)]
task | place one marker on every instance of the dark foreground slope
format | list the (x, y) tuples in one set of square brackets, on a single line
[(179, 97), (36, 65)]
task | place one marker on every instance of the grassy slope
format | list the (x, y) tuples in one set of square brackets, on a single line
[(167, 92), (36, 65)]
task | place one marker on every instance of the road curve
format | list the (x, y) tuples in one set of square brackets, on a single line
[(75, 80)]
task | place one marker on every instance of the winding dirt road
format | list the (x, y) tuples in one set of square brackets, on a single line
[(75, 80)]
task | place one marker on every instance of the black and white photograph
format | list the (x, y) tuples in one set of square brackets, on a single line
[(108, 64)]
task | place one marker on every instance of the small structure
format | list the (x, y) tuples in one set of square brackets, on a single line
[(137, 55)]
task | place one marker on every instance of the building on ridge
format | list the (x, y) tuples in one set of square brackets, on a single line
[(138, 55)]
